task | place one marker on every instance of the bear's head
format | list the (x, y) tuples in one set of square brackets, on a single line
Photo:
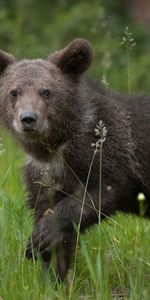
[(39, 99)]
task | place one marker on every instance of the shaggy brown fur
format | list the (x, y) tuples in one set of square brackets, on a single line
[(53, 111)]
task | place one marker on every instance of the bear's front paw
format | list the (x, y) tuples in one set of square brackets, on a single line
[(45, 236)]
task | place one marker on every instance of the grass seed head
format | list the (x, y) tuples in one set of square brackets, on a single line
[(128, 40)]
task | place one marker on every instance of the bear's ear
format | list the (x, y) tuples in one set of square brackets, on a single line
[(5, 60), (75, 58)]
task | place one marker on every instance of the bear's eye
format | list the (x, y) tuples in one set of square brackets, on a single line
[(14, 94), (46, 93)]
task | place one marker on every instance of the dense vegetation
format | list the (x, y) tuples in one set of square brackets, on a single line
[(116, 263), (35, 28)]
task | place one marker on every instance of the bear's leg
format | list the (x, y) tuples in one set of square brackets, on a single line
[(64, 253)]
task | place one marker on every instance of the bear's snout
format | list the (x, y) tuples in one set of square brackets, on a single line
[(28, 120)]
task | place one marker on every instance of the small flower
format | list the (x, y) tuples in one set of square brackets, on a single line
[(101, 132), (128, 39), (141, 197)]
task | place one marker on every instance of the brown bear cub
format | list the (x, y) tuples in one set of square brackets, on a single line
[(52, 111)]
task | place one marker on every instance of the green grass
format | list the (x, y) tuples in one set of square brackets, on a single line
[(113, 261)]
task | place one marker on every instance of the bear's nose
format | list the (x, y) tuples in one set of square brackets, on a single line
[(28, 119)]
